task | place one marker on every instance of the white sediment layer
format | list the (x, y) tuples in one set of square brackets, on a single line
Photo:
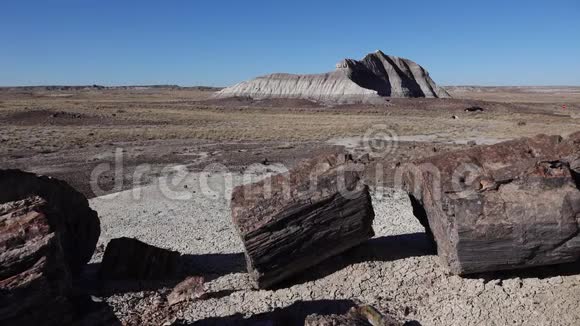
[(369, 80)]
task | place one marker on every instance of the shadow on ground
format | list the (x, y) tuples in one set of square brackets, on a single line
[(293, 315), (540, 272), (382, 249), (90, 313), (209, 266), (212, 266)]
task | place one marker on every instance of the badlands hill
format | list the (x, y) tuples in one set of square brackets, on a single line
[(371, 79)]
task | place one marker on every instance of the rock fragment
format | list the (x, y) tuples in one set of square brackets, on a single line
[(474, 109), (131, 259), (189, 289)]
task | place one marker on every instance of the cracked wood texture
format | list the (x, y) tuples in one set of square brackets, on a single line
[(76, 223), (292, 221), (34, 277), (505, 206)]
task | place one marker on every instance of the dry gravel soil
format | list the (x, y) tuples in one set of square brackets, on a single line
[(396, 271)]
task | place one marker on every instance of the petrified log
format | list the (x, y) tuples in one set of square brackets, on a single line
[(131, 259), (76, 223), (34, 277), (510, 205), (291, 221)]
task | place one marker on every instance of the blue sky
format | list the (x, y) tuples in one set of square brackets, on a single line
[(508, 42)]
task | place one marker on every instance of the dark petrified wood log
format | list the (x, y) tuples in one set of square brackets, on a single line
[(76, 223), (292, 221), (511, 205), (131, 259), (34, 276)]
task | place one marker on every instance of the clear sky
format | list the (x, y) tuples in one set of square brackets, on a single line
[(218, 43)]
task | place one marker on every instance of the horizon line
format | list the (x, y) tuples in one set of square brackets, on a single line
[(210, 86)]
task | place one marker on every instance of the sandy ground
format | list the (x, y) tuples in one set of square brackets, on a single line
[(396, 271)]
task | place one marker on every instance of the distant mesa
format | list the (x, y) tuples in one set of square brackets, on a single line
[(370, 80)]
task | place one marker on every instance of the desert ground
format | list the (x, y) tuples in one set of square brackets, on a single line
[(138, 138), (66, 132)]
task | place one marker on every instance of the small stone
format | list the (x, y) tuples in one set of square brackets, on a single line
[(474, 109), (189, 289), (96, 299)]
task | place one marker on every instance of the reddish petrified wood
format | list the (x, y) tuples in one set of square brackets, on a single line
[(511, 205), (292, 221), (77, 224), (34, 277)]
